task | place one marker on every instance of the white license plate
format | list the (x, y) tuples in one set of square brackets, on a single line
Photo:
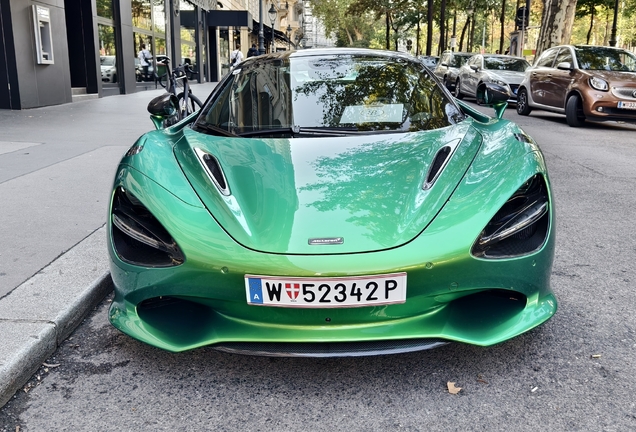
[(627, 105), (326, 292)]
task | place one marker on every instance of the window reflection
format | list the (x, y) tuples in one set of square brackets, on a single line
[(105, 9), (106, 39), (601, 58), (357, 93), (159, 17), (141, 15)]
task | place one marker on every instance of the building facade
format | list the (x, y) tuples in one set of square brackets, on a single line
[(52, 51)]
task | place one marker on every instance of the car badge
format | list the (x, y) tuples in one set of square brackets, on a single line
[(634, 94), (326, 241), (293, 289)]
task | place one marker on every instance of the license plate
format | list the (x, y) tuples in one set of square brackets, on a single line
[(326, 292), (627, 105)]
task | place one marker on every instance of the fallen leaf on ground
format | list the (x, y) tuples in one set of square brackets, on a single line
[(451, 388), (50, 365), (596, 356)]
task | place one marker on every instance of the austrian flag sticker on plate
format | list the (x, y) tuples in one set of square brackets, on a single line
[(326, 292)]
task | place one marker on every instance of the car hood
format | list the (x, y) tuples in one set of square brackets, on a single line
[(614, 77), (510, 77), (326, 195)]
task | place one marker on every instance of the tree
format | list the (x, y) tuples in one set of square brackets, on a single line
[(556, 23), (349, 29)]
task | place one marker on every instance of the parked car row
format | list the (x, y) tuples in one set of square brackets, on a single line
[(108, 65), (594, 83)]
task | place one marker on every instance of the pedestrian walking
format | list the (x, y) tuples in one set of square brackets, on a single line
[(252, 51), (236, 56), (144, 59)]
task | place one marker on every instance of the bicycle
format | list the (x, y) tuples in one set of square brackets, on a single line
[(176, 82)]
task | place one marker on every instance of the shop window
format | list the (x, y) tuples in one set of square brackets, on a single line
[(141, 14), (105, 9)]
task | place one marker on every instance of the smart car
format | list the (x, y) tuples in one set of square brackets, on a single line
[(594, 83)]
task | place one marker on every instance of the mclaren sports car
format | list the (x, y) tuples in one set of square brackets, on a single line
[(331, 202)]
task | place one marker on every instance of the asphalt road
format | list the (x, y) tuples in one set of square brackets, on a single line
[(576, 372)]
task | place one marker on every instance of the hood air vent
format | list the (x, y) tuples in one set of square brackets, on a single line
[(439, 163), (213, 169)]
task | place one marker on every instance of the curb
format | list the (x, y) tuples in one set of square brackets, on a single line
[(41, 313)]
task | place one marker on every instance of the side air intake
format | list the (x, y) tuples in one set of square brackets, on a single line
[(439, 163), (213, 169)]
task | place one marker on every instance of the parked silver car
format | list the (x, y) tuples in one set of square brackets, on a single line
[(448, 67), (504, 70)]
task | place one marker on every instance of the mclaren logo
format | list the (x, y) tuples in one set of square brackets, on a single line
[(326, 241)]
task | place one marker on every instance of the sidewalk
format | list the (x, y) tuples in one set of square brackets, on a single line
[(56, 168)]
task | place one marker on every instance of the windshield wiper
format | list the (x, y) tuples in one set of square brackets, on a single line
[(214, 130), (296, 131)]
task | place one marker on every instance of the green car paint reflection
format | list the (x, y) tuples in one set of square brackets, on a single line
[(368, 189)]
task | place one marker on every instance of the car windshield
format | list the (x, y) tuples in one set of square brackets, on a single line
[(107, 60), (458, 60), (345, 93), (602, 58), (505, 63)]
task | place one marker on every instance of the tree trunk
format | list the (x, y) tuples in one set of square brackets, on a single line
[(388, 32), (556, 24), (349, 37), (442, 28), (417, 39), (461, 39), (429, 27), (589, 32), (471, 35), (502, 20)]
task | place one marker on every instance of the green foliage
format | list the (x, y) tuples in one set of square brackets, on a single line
[(349, 30)]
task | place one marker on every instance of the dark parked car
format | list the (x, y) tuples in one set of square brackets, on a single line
[(448, 67), (583, 82)]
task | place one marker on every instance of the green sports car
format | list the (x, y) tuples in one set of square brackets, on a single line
[(331, 202)]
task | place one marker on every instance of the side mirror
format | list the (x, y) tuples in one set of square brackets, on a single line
[(164, 110), (444, 64), (493, 95), (474, 67), (564, 66)]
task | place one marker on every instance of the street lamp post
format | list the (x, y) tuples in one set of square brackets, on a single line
[(289, 31), (612, 40), (272, 18), (261, 35)]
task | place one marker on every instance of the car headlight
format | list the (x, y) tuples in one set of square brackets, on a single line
[(138, 237), (499, 82), (521, 225), (599, 84)]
